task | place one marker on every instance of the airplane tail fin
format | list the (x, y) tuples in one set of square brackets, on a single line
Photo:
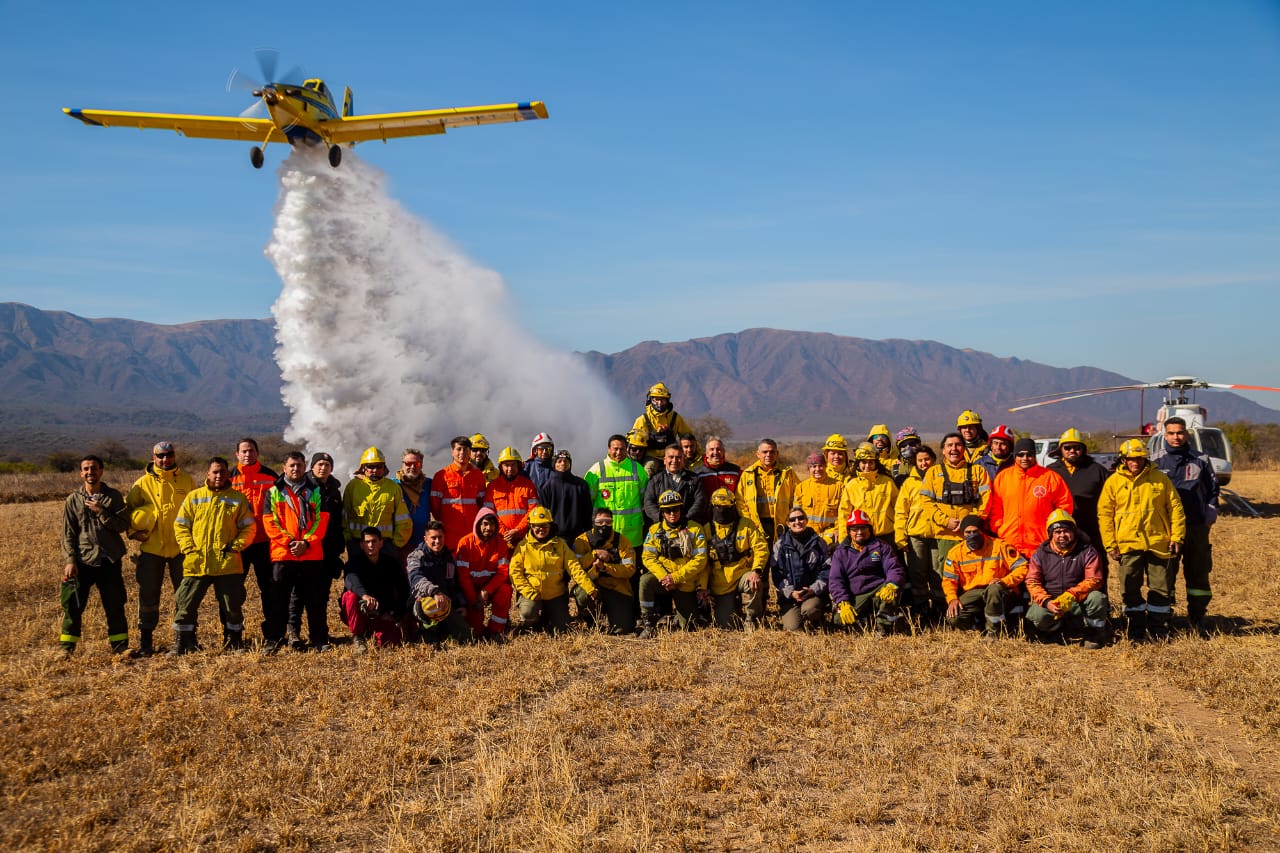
[(347, 104)]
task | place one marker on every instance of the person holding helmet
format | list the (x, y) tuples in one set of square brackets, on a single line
[(153, 503), (913, 534), (511, 496), (819, 497), (438, 603), (969, 426), (766, 490), (1143, 528), (371, 499), (480, 457), (836, 453), (1064, 579), (871, 490), (865, 577), (617, 483), (541, 567), (484, 576), (951, 490), (878, 436), (540, 465), (907, 441), (999, 452), (1085, 478), (457, 492), (739, 559), (716, 471), (981, 577), (675, 562), (660, 425), (608, 562), (800, 568)]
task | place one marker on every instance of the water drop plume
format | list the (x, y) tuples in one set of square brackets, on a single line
[(388, 335)]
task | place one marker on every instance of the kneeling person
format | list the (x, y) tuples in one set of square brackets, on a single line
[(1065, 582), (214, 524), (801, 568), (375, 601), (981, 576), (675, 560), (540, 570), (433, 577), (739, 557), (865, 576), (608, 561)]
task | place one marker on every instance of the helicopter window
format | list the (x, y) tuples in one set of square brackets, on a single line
[(1211, 443)]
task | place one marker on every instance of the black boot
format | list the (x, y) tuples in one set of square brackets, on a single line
[(183, 642), (1095, 638), (233, 641), (145, 648), (1137, 629), (649, 621)]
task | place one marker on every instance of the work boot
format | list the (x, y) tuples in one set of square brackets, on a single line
[(183, 642), (145, 648), (650, 620), (1095, 638), (359, 644), (1137, 628), (1198, 625), (1158, 631), (68, 649), (233, 641), (294, 638), (119, 647)]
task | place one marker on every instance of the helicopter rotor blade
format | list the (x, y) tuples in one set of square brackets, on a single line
[(1087, 391), (1076, 396), (1241, 387)]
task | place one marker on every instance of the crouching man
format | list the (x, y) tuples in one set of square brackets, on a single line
[(433, 576), (376, 599), (865, 576), (981, 577), (1065, 582), (739, 558), (214, 524), (608, 561)]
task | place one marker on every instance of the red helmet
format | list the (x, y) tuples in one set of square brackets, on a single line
[(858, 517), (1004, 432)]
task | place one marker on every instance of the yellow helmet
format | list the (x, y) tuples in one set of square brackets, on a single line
[(721, 497), (968, 418), (539, 515), (878, 429), (865, 451), (1133, 449), (1058, 516), (372, 456), (142, 518), (637, 438), (479, 442), (430, 612), (670, 499), (1071, 436), (659, 390), (836, 441), (509, 454)]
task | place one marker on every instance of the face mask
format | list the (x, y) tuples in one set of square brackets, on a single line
[(724, 514), (975, 540), (599, 535)]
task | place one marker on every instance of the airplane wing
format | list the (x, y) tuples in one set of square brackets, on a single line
[(201, 127), (425, 122)]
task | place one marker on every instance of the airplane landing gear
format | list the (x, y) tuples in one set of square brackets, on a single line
[(335, 155), (255, 157)]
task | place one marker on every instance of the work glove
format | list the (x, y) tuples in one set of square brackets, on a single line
[(847, 616), (1065, 602), (888, 593)]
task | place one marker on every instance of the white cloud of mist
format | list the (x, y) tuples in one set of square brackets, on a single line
[(389, 336)]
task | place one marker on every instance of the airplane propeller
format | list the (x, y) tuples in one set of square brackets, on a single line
[(262, 88)]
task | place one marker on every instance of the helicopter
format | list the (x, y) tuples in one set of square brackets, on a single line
[(1176, 402)]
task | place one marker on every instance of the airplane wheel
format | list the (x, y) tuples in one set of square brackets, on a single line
[(335, 156), (255, 157)]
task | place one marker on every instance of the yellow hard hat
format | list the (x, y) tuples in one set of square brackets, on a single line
[(539, 515), (670, 499), (836, 441), (637, 438), (479, 442), (430, 612), (509, 454), (372, 456), (878, 429), (865, 451), (721, 497), (1133, 449), (1058, 516), (968, 418), (659, 390), (142, 518), (1071, 436)]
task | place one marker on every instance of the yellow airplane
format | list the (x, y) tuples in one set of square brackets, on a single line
[(307, 114)]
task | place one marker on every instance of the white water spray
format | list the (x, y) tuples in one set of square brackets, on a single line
[(388, 335)]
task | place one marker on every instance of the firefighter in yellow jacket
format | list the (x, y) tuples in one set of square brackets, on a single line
[(675, 560), (153, 504), (819, 497), (871, 490), (541, 567), (1143, 527), (950, 490), (739, 559), (913, 533), (660, 425), (608, 561), (372, 499), (766, 491)]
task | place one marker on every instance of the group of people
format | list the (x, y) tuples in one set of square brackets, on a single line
[(662, 527)]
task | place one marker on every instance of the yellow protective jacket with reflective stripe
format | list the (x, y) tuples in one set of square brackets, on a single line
[(540, 571), (661, 427), (777, 488), (1142, 513), (680, 552), (212, 528), (163, 493), (934, 490), (613, 575), (875, 494), (819, 497), (376, 503), (753, 555), (909, 516)]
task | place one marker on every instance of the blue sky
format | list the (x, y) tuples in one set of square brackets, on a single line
[(1084, 183)]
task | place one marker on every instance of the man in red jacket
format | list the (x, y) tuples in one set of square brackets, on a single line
[(1022, 498), (483, 576), (252, 480), (457, 493)]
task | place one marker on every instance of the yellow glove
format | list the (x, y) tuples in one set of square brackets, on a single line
[(888, 593), (1065, 602), (847, 616)]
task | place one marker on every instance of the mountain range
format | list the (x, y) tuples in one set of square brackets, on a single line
[(64, 378)]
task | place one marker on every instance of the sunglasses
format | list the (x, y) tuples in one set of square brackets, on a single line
[(164, 455), (796, 518), (1025, 453)]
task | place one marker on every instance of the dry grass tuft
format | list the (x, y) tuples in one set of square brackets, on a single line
[(692, 742)]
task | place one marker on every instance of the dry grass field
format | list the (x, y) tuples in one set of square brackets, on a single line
[(708, 741)]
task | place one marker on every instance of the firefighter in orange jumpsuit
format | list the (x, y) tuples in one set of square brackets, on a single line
[(457, 493), (481, 558), (511, 496)]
